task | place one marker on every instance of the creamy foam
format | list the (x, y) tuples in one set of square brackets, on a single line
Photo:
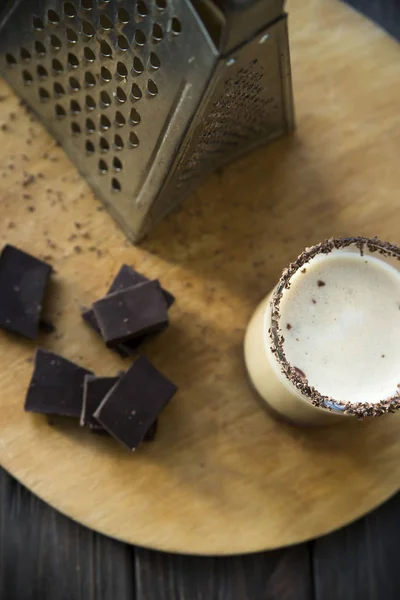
[(341, 323)]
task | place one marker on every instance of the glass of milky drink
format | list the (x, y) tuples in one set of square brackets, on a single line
[(325, 344)]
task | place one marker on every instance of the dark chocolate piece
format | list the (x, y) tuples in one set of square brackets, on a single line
[(125, 278), (124, 350), (94, 391), (133, 404), (131, 313), (23, 280), (56, 387)]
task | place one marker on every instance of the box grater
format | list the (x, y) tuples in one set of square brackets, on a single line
[(148, 97)]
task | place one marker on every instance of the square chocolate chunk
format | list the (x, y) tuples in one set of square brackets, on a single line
[(56, 387), (125, 278), (131, 313), (95, 389), (133, 404), (23, 280)]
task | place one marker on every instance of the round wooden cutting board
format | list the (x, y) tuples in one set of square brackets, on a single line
[(222, 476)]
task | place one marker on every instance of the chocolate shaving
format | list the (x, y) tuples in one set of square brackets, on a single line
[(357, 409)]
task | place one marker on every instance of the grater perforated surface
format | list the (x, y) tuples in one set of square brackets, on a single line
[(116, 82), (249, 103)]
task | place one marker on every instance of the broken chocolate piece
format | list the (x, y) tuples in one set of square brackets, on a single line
[(131, 313), (133, 404), (94, 391), (56, 387), (23, 280), (125, 278), (124, 350)]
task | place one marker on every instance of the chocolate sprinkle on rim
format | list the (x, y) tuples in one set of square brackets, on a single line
[(357, 409)]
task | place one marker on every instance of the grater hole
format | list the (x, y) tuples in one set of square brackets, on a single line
[(75, 128), (142, 9), (90, 102), (75, 107), (123, 43), (40, 49), (157, 33), (69, 10), (27, 77), (140, 38), (53, 17), (105, 122), (133, 140), (154, 61), (115, 185), (105, 49), (38, 24), (134, 117), (121, 96), (72, 36), (60, 111), (89, 147), (88, 29), (41, 72), (55, 42), (90, 79), (138, 67), (152, 88), (104, 145), (122, 71), (161, 4), (105, 22), (103, 168), (118, 143), (87, 4), (123, 15), (44, 95), (74, 84), (58, 89), (105, 99), (117, 164), (105, 74), (56, 66), (73, 61), (89, 54), (11, 60), (119, 119), (25, 55), (135, 92), (176, 26), (90, 126)]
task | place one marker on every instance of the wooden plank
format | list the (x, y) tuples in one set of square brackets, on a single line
[(361, 561), (385, 13), (44, 555), (278, 575)]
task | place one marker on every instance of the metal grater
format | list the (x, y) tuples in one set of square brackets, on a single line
[(148, 97)]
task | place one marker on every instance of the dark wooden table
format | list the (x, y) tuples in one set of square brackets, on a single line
[(46, 556)]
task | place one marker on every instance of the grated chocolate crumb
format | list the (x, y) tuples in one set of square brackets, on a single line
[(320, 283)]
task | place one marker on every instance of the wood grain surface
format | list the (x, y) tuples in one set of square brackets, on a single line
[(222, 477), (45, 555)]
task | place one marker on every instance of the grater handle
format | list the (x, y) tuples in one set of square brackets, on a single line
[(245, 18)]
